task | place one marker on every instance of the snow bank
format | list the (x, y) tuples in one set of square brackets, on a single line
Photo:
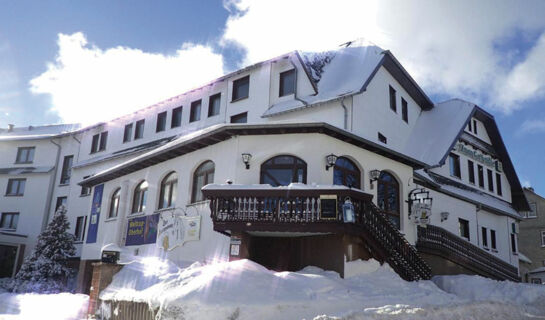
[(477, 288), (43, 306), (246, 290)]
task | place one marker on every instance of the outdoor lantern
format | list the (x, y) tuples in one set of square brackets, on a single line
[(330, 161), (444, 216), (420, 204), (348, 211), (246, 157), (373, 176)]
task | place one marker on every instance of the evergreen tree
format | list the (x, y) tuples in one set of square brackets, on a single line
[(46, 269)]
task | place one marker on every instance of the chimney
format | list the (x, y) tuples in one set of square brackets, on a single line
[(10, 127)]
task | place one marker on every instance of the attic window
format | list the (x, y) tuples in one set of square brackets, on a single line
[(475, 126), (241, 88), (287, 83), (382, 138), (393, 104), (404, 110)]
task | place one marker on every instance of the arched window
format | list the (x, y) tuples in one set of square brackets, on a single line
[(283, 170), (167, 197), (202, 176), (114, 204), (139, 198), (388, 197), (346, 173)]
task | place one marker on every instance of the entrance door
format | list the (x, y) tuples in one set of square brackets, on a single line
[(8, 254)]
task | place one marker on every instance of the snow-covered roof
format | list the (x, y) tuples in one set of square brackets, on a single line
[(344, 72), (467, 193), (436, 130), (537, 270), (37, 132), (524, 258), (24, 170)]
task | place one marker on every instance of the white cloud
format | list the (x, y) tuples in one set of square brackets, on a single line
[(88, 84), (532, 126), (449, 47)]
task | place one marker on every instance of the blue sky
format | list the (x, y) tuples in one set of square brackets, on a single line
[(80, 61)]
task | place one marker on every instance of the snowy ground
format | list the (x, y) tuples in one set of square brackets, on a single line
[(42, 306), (246, 290)]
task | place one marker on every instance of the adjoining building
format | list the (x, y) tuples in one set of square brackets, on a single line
[(306, 158), (532, 238)]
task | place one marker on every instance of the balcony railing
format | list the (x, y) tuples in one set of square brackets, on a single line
[(438, 241), (261, 208)]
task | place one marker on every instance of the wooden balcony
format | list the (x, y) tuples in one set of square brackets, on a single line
[(440, 242), (301, 210)]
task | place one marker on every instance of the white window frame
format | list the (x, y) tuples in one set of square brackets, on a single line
[(543, 241)]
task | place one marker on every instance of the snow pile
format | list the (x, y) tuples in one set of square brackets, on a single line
[(477, 288), (43, 306)]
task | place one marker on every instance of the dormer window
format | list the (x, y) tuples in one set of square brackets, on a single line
[(287, 83), (161, 122), (195, 114), (99, 142), (139, 130), (214, 105), (241, 88)]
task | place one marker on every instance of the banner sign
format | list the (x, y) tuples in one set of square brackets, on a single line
[(95, 214), (479, 157), (175, 230), (142, 230)]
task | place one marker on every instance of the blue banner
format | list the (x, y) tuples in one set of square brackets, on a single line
[(95, 214), (142, 230)]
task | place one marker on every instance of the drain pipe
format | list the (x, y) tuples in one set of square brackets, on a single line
[(345, 114), (51, 187)]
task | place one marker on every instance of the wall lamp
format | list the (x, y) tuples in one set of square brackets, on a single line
[(330, 161), (373, 176), (246, 157)]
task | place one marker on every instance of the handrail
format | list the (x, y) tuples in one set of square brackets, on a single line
[(437, 239), (291, 206)]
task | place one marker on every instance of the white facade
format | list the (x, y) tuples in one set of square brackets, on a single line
[(362, 109)]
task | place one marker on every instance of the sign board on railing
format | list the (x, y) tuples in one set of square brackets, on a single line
[(175, 230), (328, 207)]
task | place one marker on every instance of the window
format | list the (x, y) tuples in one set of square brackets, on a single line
[(388, 197), (533, 210), (498, 184), (283, 170), (66, 170), (80, 228), (484, 234), (241, 88), (61, 201), (240, 118), (214, 105), (382, 138), (94, 144), (404, 110), (471, 171), (469, 126), (493, 239), (114, 203), (195, 112), (287, 83), (139, 197), (99, 142), (167, 198), (9, 220), (393, 104), (474, 126), (346, 173), (139, 130), (490, 180), (543, 239), (16, 187), (161, 122), (203, 175), (454, 164), (176, 120), (513, 243), (535, 281), (464, 228), (127, 134), (480, 174), (25, 155), (85, 191), (103, 140)]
